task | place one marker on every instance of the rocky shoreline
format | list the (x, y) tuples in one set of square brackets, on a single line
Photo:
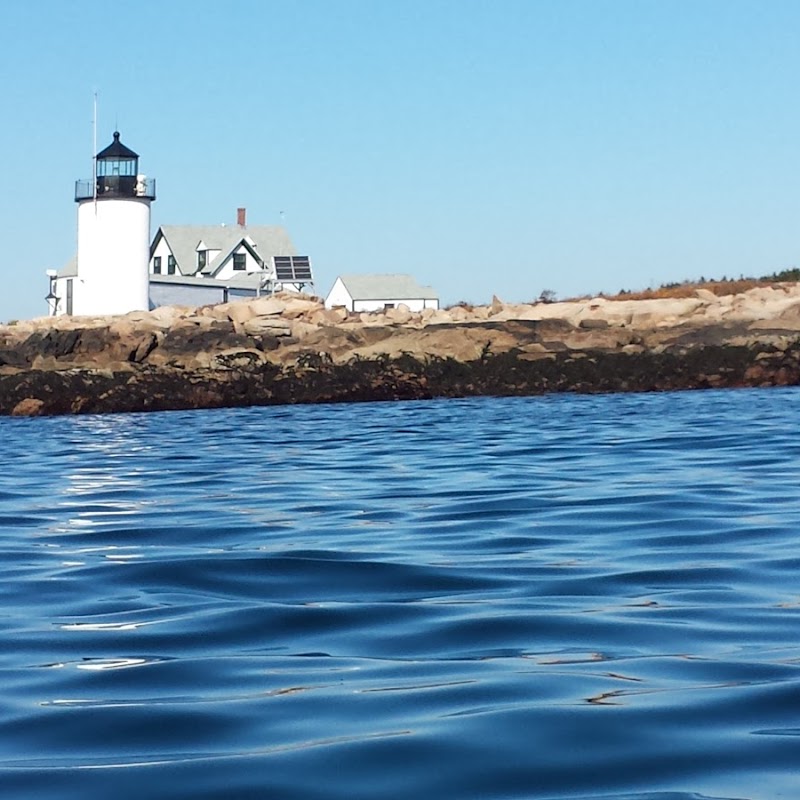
[(290, 349)]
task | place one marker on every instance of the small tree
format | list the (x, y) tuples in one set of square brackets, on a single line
[(547, 296)]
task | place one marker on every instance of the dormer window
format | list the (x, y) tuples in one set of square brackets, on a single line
[(202, 259), (239, 261)]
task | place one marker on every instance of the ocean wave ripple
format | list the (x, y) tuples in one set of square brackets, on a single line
[(560, 597)]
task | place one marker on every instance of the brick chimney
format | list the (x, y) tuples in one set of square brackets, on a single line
[(241, 217)]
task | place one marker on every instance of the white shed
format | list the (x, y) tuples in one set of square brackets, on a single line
[(378, 292)]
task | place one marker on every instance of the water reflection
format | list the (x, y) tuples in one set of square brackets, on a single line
[(112, 435), (107, 471), (104, 626), (102, 664)]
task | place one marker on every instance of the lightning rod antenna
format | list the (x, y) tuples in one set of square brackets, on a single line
[(94, 152)]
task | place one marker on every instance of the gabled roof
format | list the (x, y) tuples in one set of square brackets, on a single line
[(214, 264), (386, 287), (269, 240)]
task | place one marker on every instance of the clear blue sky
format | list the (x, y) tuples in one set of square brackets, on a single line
[(485, 146)]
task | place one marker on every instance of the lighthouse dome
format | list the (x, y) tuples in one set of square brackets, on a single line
[(116, 150)]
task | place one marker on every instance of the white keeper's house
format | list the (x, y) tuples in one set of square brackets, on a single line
[(379, 292), (202, 264)]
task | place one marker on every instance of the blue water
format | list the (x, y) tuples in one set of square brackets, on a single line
[(559, 597)]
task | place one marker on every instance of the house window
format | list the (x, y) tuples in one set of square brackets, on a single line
[(239, 261), (170, 265), (156, 265), (202, 256), (388, 305)]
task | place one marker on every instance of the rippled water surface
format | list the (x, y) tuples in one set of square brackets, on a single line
[(560, 597)]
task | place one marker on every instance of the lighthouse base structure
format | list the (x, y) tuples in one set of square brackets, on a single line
[(113, 255)]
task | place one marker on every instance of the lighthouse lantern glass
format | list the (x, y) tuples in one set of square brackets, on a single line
[(107, 167)]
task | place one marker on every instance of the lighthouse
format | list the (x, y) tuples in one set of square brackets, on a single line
[(111, 275)]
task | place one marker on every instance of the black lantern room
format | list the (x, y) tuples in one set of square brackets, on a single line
[(117, 168), (116, 175)]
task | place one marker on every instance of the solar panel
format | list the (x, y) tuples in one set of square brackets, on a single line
[(302, 268), (283, 268), (292, 269)]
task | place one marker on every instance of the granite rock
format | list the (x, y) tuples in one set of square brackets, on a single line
[(289, 348)]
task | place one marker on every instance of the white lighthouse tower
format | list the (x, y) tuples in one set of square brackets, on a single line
[(113, 237)]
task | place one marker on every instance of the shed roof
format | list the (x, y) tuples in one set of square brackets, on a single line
[(386, 287), (70, 269), (245, 281)]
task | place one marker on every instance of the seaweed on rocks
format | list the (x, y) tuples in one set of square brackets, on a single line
[(315, 378)]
